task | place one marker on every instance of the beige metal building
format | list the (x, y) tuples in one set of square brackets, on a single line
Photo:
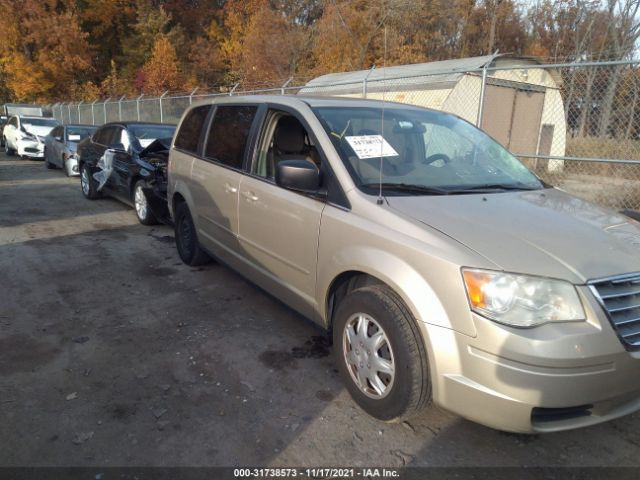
[(523, 108)]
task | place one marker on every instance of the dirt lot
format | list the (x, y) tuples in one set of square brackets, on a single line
[(112, 352)]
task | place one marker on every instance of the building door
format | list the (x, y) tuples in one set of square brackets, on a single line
[(512, 117), (525, 126)]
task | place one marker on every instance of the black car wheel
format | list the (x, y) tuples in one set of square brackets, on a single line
[(187, 238), (380, 354), (9, 151), (88, 183), (47, 163), (143, 211)]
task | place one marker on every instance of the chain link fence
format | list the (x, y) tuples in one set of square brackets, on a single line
[(576, 125)]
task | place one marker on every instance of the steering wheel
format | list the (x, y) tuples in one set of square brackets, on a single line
[(435, 157)]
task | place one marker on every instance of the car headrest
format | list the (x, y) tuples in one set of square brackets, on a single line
[(289, 136)]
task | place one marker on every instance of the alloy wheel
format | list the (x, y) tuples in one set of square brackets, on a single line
[(84, 181), (368, 355), (140, 200)]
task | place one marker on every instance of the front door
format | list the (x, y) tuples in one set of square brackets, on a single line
[(279, 228)]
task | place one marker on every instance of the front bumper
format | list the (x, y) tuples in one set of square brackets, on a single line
[(550, 378), (30, 149), (72, 166)]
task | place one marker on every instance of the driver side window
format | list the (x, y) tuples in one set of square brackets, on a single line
[(283, 138)]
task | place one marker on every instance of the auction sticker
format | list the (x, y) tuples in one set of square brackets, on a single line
[(371, 146)]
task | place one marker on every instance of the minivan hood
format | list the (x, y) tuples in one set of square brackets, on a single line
[(544, 232)]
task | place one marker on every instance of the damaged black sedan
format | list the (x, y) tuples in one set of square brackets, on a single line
[(128, 161)]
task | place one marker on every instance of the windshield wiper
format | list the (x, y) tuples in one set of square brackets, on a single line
[(492, 187), (408, 188)]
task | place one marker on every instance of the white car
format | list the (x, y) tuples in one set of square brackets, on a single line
[(25, 135)]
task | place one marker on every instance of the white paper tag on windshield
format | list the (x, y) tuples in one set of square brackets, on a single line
[(74, 138), (371, 146), (145, 142)]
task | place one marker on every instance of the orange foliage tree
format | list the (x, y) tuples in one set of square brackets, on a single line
[(161, 71), (44, 53)]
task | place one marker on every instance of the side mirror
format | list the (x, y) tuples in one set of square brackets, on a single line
[(299, 175), (117, 147)]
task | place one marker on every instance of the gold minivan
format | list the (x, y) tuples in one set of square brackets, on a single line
[(446, 271)]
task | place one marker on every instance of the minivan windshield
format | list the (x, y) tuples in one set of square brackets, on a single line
[(421, 152)]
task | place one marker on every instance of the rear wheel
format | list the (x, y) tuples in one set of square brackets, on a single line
[(380, 354), (143, 212), (187, 238), (88, 183)]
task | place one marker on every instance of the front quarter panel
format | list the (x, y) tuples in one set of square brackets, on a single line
[(420, 266)]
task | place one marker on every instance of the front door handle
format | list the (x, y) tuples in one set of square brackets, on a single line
[(229, 188), (250, 196)]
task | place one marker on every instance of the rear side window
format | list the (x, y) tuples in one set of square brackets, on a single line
[(189, 134), (229, 133)]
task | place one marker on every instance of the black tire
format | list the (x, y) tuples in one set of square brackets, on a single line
[(9, 151), (91, 191), (65, 167), (410, 391), (148, 218), (48, 164), (187, 238)]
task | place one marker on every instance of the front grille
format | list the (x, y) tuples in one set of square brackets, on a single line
[(620, 297), (31, 150)]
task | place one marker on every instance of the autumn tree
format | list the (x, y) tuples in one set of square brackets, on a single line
[(107, 23), (236, 15), (272, 48), (161, 71), (114, 84), (151, 23), (346, 35), (44, 52)]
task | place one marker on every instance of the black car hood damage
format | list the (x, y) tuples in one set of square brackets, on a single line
[(159, 146)]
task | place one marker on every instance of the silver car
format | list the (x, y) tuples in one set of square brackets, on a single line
[(446, 271), (61, 145)]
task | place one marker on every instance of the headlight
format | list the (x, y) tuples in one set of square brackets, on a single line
[(521, 300)]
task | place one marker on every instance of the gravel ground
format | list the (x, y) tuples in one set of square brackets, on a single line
[(114, 353)]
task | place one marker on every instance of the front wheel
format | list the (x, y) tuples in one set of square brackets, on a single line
[(9, 151), (88, 183), (66, 167), (143, 212), (47, 163), (187, 239), (380, 354)]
